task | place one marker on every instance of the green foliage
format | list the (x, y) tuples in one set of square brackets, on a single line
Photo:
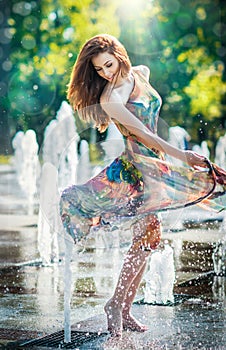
[(181, 41), (46, 41), (206, 91)]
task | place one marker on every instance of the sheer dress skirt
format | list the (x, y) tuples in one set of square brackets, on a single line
[(134, 186)]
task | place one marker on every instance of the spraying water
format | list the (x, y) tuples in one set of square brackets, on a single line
[(67, 289), (160, 277)]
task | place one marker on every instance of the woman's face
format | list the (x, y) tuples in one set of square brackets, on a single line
[(106, 65)]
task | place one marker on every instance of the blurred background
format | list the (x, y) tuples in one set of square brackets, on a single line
[(182, 42)]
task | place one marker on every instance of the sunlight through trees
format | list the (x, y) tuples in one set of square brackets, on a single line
[(182, 42)]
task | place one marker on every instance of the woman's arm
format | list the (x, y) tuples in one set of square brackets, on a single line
[(116, 110)]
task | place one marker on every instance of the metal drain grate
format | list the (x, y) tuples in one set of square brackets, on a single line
[(57, 340)]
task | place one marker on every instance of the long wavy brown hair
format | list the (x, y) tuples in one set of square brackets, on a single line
[(86, 86)]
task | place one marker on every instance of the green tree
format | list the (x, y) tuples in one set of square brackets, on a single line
[(5, 67), (183, 43), (45, 39)]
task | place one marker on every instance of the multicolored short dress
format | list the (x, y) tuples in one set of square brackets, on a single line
[(138, 182)]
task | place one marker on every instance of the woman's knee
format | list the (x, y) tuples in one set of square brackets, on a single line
[(148, 232), (153, 233)]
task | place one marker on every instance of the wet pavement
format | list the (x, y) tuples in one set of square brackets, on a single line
[(31, 294)]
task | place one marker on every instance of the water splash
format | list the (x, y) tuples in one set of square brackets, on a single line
[(67, 289), (219, 258), (159, 279)]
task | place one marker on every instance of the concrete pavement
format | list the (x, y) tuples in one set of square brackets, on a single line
[(32, 294)]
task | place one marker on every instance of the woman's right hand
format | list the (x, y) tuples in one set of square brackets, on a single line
[(195, 160)]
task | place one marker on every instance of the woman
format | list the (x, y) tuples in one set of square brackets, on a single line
[(104, 88)]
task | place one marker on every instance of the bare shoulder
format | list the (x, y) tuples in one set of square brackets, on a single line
[(143, 69)]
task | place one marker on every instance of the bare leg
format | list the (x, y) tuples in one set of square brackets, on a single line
[(147, 234), (118, 307), (133, 265), (128, 321)]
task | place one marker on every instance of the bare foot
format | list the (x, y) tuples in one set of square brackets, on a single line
[(130, 323), (114, 318)]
